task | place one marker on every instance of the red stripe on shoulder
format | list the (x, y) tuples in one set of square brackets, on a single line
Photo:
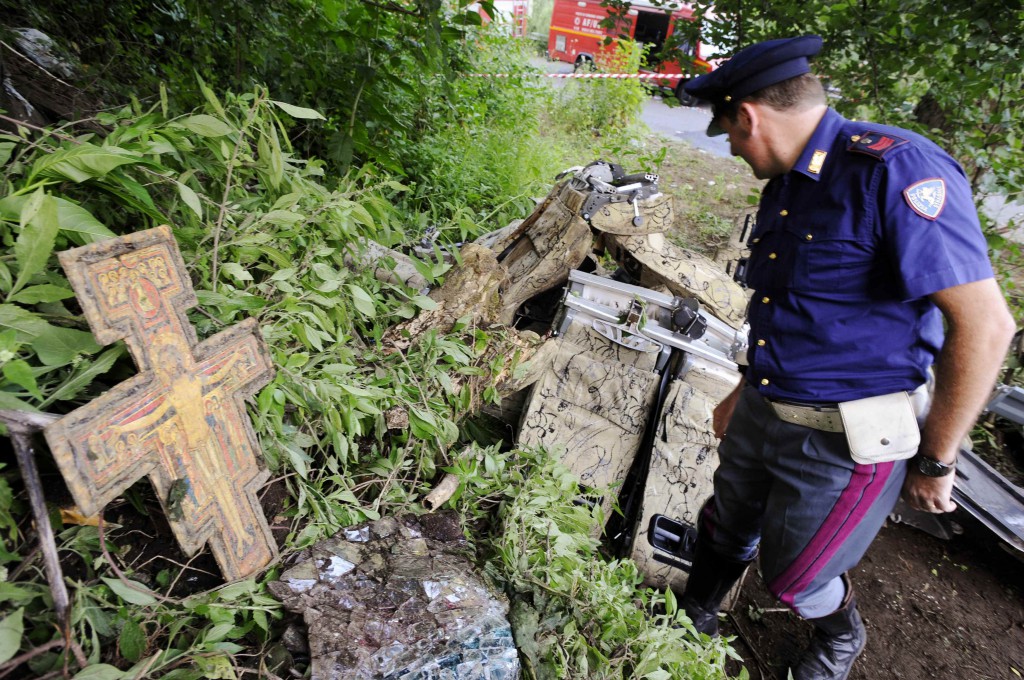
[(875, 144)]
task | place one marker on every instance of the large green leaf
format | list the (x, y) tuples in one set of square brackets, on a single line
[(210, 96), (207, 126), (83, 162), (216, 667), (72, 218), (27, 325), (34, 246), (191, 199), (233, 591), (12, 403), (20, 373), (132, 641), (132, 592), (46, 292), (297, 111), (362, 301), (84, 376), (11, 629), (99, 671), (58, 346), (236, 271), (6, 148), (23, 593)]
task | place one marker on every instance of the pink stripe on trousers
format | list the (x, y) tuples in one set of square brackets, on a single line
[(866, 484)]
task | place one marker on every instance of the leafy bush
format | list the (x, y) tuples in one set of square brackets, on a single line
[(605, 106), (574, 613), (478, 167), (263, 238), (384, 76), (266, 233)]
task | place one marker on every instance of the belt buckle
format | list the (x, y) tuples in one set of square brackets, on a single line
[(816, 416)]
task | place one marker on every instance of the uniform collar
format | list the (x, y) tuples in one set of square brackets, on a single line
[(818, 151)]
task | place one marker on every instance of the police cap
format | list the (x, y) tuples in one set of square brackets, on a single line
[(755, 67)]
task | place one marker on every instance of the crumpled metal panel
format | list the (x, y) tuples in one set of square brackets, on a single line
[(594, 405), (682, 466), (654, 261), (399, 598)]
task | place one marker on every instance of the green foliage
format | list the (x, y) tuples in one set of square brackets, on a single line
[(264, 239), (539, 21), (266, 232), (479, 166), (714, 231), (575, 614), (605, 107), (952, 73), (383, 76), (11, 629)]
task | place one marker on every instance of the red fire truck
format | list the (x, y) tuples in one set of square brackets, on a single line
[(578, 37)]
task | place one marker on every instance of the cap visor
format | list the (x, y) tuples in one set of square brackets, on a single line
[(714, 129)]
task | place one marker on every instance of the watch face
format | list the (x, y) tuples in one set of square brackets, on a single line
[(932, 468)]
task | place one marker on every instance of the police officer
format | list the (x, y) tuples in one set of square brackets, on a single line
[(867, 239)]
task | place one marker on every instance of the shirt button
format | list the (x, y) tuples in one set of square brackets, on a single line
[(772, 256), (756, 240), (761, 343), (810, 236), (764, 381), (783, 212), (765, 299)]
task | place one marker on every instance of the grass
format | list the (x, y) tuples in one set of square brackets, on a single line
[(711, 195)]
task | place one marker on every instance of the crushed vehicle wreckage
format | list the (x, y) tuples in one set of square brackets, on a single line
[(636, 359)]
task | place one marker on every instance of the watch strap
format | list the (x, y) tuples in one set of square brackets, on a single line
[(930, 467)]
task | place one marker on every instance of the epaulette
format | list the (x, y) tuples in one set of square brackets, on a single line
[(875, 144)]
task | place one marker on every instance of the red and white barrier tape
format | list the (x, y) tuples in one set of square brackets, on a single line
[(646, 76)]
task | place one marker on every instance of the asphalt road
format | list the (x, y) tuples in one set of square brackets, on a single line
[(685, 123)]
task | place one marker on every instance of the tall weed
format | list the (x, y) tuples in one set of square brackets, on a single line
[(601, 106), (478, 169)]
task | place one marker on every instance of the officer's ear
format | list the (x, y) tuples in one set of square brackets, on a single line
[(748, 118)]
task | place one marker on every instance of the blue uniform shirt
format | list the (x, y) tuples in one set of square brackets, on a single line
[(848, 245)]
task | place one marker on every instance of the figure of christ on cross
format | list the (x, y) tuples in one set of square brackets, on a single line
[(182, 419)]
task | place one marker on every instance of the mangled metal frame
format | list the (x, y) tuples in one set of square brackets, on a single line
[(627, 394)]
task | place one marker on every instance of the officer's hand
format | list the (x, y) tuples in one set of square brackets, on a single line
[(929, 494), (723, 412)]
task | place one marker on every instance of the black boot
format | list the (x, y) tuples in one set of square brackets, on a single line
[(711, 578), (838, 640)]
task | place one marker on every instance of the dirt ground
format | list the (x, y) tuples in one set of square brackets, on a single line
[(934, 610)]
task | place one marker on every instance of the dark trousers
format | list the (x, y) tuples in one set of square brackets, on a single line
[(795, 492)]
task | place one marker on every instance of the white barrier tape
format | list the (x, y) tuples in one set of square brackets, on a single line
[(647, 76)]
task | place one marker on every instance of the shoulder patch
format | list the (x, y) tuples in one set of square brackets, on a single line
[(927, 198), (875, 144)]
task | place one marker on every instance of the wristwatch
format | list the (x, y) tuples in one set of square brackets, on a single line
[(929, 467)]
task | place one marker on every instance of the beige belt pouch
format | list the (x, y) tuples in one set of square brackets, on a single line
[(881, 429)]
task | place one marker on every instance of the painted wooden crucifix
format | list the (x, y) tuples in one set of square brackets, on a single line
[(181, 420)]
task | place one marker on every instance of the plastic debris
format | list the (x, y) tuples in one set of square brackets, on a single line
[(399, 598)]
